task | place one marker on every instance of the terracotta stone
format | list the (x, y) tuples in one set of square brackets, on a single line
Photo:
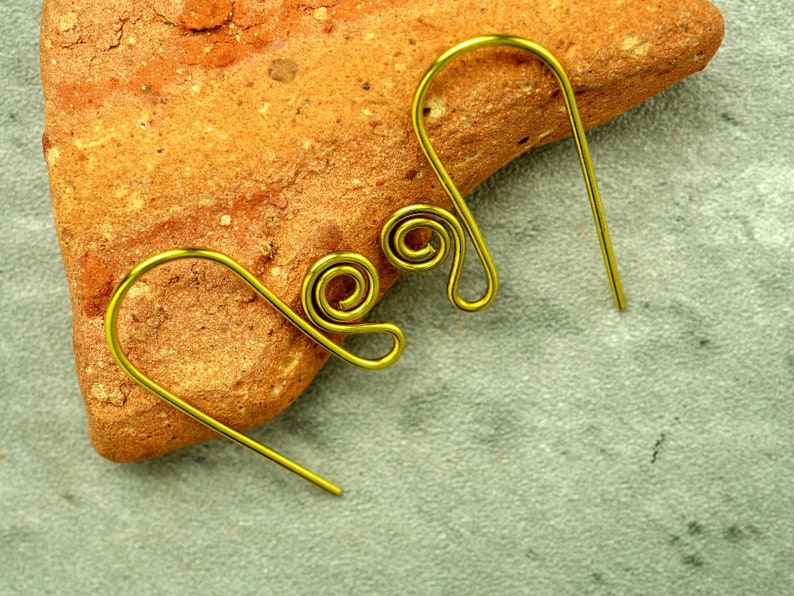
[(278, 132)]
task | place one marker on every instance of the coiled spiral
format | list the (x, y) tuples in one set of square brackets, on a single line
[(324, 315), (450, 237)]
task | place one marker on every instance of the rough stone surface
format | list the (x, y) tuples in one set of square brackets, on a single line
[(279, 132)]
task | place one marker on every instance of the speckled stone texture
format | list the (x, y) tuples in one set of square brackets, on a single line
[(279, 132)]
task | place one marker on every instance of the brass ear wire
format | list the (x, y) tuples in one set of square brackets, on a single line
[(421, 216), (448, 230), (317, 307)]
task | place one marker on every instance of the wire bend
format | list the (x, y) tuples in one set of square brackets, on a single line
[(449, 234), (452, 191), (337, 320)]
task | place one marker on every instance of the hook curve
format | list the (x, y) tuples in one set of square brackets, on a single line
[(583, 152), (361, 302)]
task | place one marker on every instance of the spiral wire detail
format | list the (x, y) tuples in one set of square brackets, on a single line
[(356, 306), (321, 312), (462, 209), (448, 234)]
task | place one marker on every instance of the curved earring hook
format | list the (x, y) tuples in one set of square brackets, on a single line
[(315, 303), (452, 191)]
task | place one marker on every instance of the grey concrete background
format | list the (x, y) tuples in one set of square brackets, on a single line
[(548, 445)]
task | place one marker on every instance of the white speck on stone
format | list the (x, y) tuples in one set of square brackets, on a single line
[(321, 13), (437, 106), (139, 289), (195, 88), (67, 21), (356, 181), (52, 155), (264, 108), (226, 220), (100, 393), (367, 112), (370, 36), (636, 46), (543, 135), (400, 67), (629, 42)]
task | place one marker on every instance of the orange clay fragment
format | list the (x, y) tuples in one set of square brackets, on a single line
[(278, 132)]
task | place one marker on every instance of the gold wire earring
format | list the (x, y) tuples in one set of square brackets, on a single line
[(317, 307), (447, 229)]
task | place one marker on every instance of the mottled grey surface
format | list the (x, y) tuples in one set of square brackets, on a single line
[(548, 445)]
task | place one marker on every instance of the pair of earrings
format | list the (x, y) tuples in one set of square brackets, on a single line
[(449, 231)]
